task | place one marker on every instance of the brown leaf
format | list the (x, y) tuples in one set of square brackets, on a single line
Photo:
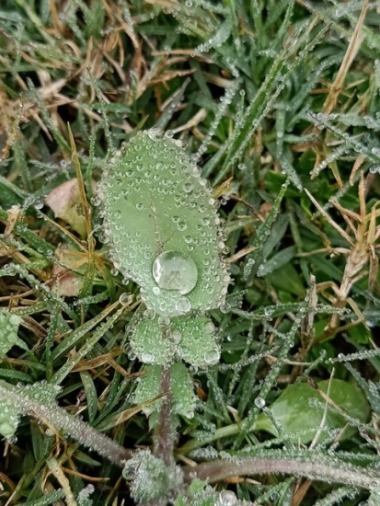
[(66, 282), (65, 202)]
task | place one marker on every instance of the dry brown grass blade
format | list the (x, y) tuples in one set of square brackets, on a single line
[(240, 254), (128, 413), (85, 206), (193, 122), (358, 163), (336, 89), (329, 219), (56, 469), (349, 57)]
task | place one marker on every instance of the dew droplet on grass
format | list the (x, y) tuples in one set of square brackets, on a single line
[(260, 402)]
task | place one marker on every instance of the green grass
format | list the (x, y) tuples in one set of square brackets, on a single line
[(278, 103)]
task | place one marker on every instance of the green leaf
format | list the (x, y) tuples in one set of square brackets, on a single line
[(43, 393), (196, 340), (182, 391), (360, 334), (157, 340), (183, 398), (148, 387), (199, 493), (10, 194), (84, 496), (374, 498), (151, 341), (277, 261), (9, 324), (150, 478), (91, 395), (298, 411), (287, 279), (8, 419), (162, 223)]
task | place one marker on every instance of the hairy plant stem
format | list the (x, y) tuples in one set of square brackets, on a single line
[(330, 470), (55, 416), (164, 440), (163, 444)]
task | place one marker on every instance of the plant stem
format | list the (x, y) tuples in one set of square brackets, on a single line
[(58, 417), (164, 441), (330, 471)]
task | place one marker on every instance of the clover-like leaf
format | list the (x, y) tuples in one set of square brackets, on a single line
[(299, 410), (163, 228)]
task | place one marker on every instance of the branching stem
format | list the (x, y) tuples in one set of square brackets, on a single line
[(70, 424), (329, 471)]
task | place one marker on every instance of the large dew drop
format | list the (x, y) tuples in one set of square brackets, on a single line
[(174, 270)]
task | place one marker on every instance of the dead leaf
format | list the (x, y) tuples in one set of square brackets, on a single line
[(65, 202), (66, 282)]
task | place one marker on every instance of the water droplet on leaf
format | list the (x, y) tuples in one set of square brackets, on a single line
[(173, 270)]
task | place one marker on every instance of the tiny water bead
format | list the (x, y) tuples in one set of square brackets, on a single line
[(124, 298), (260, 402), (174, 270)]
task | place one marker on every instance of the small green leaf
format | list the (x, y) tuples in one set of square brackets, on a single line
[(287, 279), (298, 411), (374, 498), (43, 393), (360, 334), (183, 398), (163, 227), (158, 340), (8, 419), (277, 261), (150, 478), (91, 395), (151, 343), (195, 335), (148, 387), (182, 391), (201, 494), (9, 324), (84, 496)]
